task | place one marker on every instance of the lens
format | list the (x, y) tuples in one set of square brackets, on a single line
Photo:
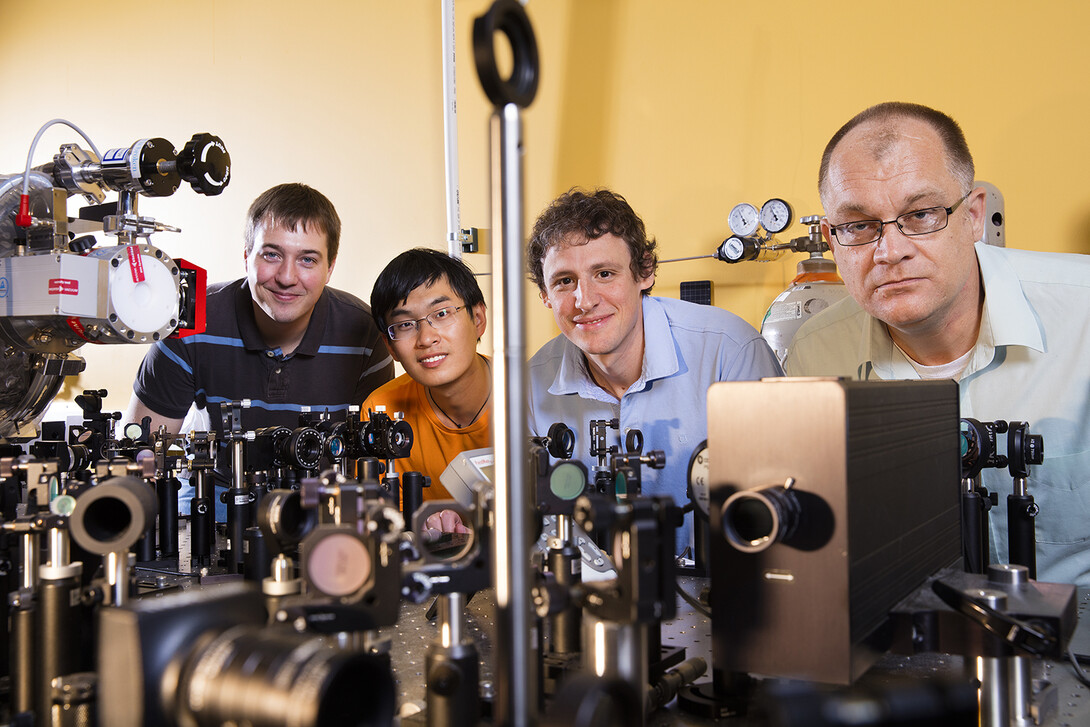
[(281, 516), (112, 515), (857, 233), (336, 562), (401, 439), (567, 481), (755, 519), (274, 439), (384, 438), (303, 448), (269, 678), (922, 222)]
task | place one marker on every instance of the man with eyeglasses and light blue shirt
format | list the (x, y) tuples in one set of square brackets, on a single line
[(930, 302)]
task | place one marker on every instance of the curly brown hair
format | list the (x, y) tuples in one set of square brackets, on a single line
[(576, 217)]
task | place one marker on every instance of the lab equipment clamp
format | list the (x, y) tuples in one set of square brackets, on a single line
[(979, 451), (613, 623)]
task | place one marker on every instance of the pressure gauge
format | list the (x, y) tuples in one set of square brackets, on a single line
[(775, 215), (743, 219), (736, 249), (698, 478)]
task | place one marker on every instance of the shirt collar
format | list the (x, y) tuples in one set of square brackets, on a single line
[(659, 357), (1006, 320), (251, 336)]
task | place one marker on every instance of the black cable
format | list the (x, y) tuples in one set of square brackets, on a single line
[(692, 601)]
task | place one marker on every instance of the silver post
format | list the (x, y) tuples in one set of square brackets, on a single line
[(30, 560), (516, 698), (450, 132), (993, 673), (117, 577)]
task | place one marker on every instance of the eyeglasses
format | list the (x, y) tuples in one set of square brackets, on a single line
[(438, 319), (917, 222)]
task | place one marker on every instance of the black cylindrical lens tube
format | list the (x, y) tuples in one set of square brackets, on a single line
[(566, 563), (755, 519), (412, 494), (59, 639), (166, 489), (24, 617), (267, 678), (1021, 536), (972, 514)]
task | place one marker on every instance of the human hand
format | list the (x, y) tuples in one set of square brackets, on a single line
[(444, 521)]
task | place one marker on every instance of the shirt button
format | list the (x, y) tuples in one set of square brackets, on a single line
[(278, 371), (270, 354)]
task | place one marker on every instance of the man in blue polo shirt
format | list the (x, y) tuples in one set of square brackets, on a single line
[(622, 353), (278, 337)]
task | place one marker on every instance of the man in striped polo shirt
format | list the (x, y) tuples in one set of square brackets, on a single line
[(278, 337)]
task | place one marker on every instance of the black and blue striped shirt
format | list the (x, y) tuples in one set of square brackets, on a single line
[(340, 360)]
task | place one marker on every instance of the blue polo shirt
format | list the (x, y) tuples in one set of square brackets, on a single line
[(687, 347)]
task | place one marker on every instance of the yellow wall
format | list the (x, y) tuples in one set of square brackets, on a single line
[(684, 107)]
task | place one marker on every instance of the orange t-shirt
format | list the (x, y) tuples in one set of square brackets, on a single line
[(434, 444)]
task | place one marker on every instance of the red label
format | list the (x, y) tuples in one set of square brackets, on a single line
[(136, 265), (75, 325), (63, 286)]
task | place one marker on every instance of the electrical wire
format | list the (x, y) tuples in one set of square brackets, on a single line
[(23, 219), (692, 601), (1079, 671)]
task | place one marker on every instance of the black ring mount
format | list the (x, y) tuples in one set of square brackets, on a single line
[(509, 18)]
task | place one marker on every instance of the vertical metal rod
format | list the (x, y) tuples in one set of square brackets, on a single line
[(116, 567), (451, 607), (30, 560), (59, 549), (618, 651), (993, 674), (515, 666), (450, 132), (238, 464), (1021, 685)]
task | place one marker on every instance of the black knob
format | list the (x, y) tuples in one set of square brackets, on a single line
[(158, 177), (205, 164), (82, 244)]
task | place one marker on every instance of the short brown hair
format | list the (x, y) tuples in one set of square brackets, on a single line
[(958, 158), (591, 215), (290, 205)]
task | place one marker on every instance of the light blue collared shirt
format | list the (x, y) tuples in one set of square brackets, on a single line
[(1031, 363), (687, 347)]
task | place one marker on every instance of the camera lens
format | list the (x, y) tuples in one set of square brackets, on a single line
[(269, 678), (755, 519), (303, 448)]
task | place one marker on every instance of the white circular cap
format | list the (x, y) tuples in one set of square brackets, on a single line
[(146, 306)]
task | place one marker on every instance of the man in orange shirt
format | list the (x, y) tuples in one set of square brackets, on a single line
[(432, 313)]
